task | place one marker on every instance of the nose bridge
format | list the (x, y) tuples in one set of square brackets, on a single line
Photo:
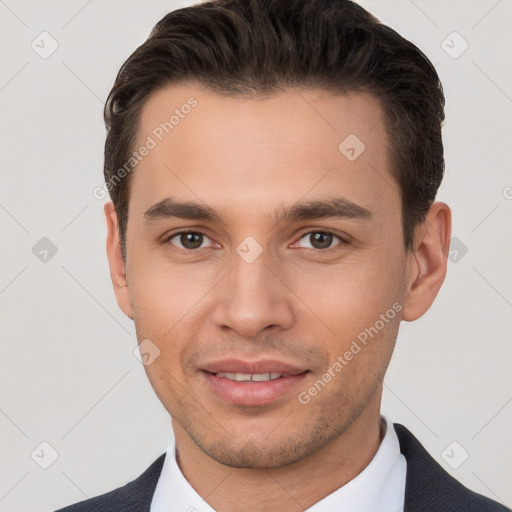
[(250, 277), (253, 298)]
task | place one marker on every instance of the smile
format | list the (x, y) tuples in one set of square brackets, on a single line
[(246, 377)]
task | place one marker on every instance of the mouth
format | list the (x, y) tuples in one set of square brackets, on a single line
[(252, 383), (254, 377)]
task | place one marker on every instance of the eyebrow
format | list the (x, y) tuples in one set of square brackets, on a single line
[(337, 207)]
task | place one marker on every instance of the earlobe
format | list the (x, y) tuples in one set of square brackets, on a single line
[(115, 260), (427, 263)]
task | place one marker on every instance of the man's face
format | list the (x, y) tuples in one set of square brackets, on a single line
[(262, 292)]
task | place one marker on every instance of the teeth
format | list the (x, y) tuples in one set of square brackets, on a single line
[(240, 377), (261, 377), (245, 377)]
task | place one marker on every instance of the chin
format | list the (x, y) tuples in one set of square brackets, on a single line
[(253, 456), (266, 453)]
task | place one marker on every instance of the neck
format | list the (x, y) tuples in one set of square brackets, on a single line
[(293, 487)]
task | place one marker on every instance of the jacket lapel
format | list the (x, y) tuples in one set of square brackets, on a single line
[(429, 487)]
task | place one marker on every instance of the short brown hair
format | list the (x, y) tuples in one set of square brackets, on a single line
[(249, 47)]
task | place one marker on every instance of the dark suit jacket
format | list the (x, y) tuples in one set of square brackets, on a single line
[(428, 488)]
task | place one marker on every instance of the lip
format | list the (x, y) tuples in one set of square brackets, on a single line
[(252, 393)]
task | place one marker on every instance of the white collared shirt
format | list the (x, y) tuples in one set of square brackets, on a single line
[(379, 487)]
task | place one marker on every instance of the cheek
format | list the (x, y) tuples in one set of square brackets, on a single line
[(161, 294), (167, 304), (351, 296)]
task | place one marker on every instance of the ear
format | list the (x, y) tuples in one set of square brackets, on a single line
[(427, 262), (115, 260)]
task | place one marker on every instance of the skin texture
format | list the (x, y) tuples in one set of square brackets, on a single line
[(249, 159)]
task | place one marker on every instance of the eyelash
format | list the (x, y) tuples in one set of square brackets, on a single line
[(199, 232)]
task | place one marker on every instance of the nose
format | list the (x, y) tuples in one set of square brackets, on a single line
[(253, 298)]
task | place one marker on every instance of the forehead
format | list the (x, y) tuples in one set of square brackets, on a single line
[(239, 151)]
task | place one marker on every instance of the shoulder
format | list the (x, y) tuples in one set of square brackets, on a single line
[(135, 496), (430, 487)]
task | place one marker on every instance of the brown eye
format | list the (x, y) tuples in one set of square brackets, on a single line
[(188, 240), (320, 239), (191, 240)]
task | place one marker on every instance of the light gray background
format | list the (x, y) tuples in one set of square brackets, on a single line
[(68, 373)]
